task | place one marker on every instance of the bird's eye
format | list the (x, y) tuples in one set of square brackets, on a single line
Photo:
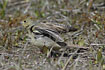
[(25, 21)]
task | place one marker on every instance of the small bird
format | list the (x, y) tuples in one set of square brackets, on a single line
[(48, 34)]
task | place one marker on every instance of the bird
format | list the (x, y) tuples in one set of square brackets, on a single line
[(46, 33)]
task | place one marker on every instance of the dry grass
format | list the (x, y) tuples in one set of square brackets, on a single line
[(17, 53)]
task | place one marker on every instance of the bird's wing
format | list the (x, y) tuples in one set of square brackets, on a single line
[(55, 27), (59, 28), (53, 36)]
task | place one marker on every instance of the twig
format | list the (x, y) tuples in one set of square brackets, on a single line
[(77, 46), (97, 44), (58, 62), (48, 54), (27, 8), (69, 60)]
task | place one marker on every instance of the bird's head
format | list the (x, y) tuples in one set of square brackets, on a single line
[(26, 22)]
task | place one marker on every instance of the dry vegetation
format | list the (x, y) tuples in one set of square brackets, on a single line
[(17, 53)]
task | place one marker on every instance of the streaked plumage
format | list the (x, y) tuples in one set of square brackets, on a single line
[(47, 33)]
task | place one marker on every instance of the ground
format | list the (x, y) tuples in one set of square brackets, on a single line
[(17, 53)]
